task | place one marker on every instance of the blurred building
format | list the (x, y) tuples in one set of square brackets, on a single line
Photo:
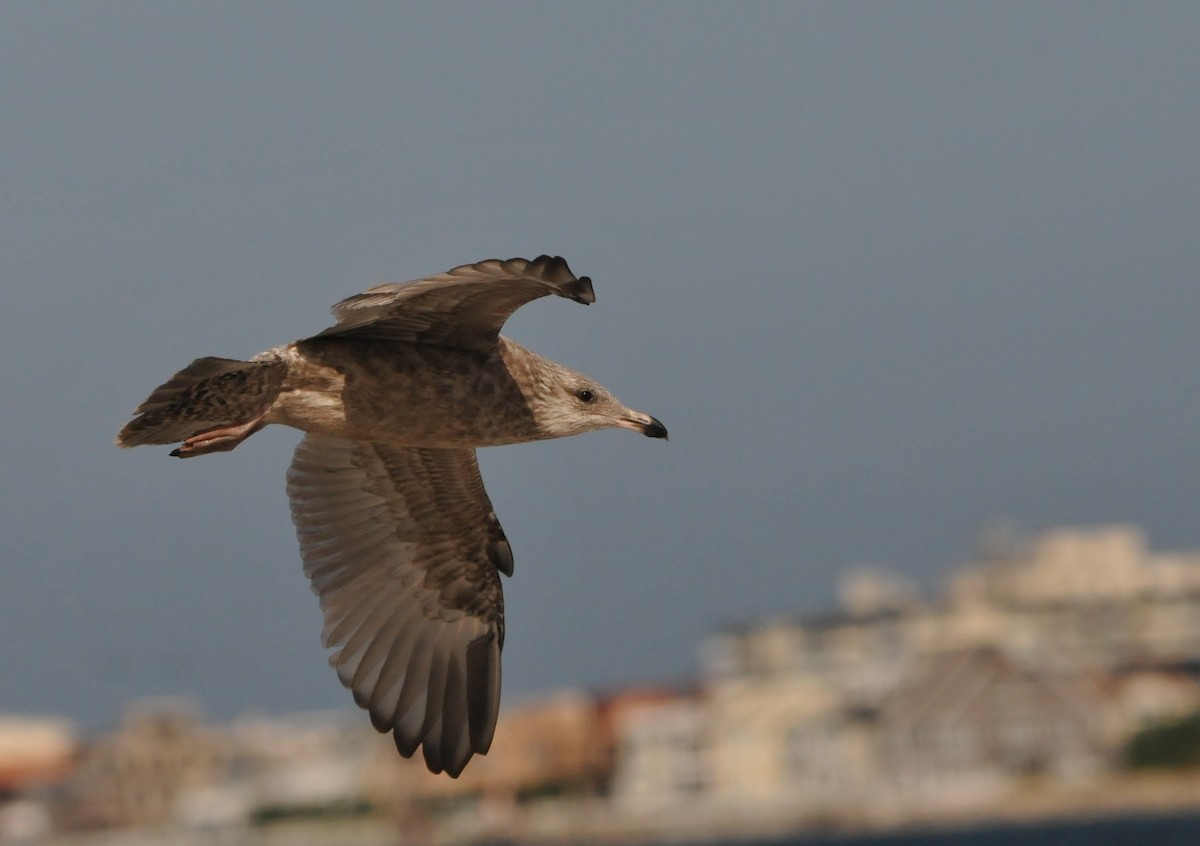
[(1038, 661), (550, 746), (967, 724), (303, 765), (34, 751), (1070, 598), (1094, 598), (36, 755), (137, 775), (547, 775), (166, 768), (665, 755)]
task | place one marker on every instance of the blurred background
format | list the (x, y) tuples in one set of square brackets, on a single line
[(913, 286)]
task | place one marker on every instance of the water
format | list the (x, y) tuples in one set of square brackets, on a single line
[(1175, 830)]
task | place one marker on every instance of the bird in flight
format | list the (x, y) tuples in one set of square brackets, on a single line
[(396, 531)]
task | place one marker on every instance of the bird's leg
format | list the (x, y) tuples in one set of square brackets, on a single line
[(218, 438)]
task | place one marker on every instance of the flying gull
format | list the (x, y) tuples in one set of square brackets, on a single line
[(396, 531)]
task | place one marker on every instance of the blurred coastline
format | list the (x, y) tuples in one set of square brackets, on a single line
[(1055, 677)]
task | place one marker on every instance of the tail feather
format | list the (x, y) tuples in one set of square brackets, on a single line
[(207, 393)]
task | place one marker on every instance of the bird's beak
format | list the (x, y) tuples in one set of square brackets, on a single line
[(644, 423)]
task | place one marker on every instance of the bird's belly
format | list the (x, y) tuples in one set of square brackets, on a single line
[(313, 411)]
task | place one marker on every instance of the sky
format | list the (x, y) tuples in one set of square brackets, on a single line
[(887, 272)]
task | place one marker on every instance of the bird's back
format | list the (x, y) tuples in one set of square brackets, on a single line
[(402, 393)]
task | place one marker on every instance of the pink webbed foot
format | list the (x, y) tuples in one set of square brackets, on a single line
[(217, 439)]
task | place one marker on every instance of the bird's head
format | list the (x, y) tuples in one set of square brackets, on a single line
[(571, 404)]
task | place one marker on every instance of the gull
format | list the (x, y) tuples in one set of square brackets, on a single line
[(396, 531)]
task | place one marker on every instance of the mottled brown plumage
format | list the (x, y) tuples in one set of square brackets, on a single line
[(396, 530)]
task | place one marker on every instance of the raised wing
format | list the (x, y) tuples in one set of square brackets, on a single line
[(462, 307), (404, 552)]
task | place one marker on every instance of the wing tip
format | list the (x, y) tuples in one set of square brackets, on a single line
[(581, 290), (407, 746), (554, 269), (435, 762)]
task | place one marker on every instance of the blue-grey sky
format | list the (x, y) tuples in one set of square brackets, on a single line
[(886, 271)]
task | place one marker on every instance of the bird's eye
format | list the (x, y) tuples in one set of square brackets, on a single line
[(586, 396)]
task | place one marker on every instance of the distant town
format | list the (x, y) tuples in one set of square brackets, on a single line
[(1057, 675)]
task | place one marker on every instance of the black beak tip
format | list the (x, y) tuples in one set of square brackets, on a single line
[(655, 429)]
